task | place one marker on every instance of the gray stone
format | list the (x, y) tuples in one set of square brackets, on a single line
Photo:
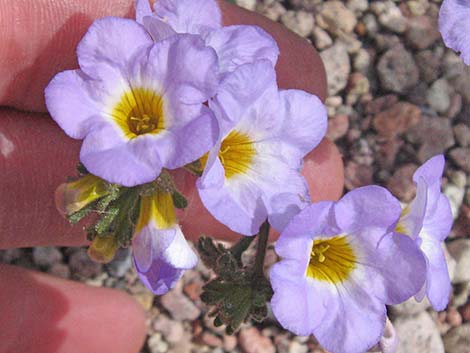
[(59, 270), (438, 96), (300, 22), (451, 263), (362, 61), (121, 263), (321, 38), (171, 330), (461, 83), (353, 45), (389, 16), (397, 70), (336, 61), (455, 194), (461, 157), (247, 4), (9, 256), (429, 65), (457, 340), (297, 347), (357, 6), (156, 344), (461, 293), (252, 341), (272, 10), (462, 134), (47, 256), (385, 41), (422, 32), (418, 7), (452, 65), (458, 178), (418, 334), (460, 250), (336, 18), (80, 264), (370, 22), (434, 134)]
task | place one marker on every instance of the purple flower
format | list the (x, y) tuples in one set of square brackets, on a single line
[(455, 26), (254, 169), (428, 220), (234, 45), (161, 253), (137, 104), (341, 263)]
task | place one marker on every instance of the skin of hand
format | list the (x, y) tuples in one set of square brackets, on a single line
[(41, 313)]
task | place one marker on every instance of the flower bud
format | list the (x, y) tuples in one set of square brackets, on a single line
[(72, 197), (103, 248)]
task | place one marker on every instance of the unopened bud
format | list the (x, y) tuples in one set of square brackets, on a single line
[(72, 197), (103, 248)]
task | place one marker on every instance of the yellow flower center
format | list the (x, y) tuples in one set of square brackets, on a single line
[(331, 260), (139, 112), (236, 154)]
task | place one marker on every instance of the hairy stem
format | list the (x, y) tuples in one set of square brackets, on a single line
[(261, 249)]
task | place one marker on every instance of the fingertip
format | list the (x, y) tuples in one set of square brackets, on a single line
[(41, 313), (324, 171)]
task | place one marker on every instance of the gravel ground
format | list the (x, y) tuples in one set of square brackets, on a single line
[(397, 97)]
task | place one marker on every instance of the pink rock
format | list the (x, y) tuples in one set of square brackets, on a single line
[(252, 341), (211, 339), (453, 317), (422, 32), (397, 119), (401, 183), (461, 157), (337, 127), (357, 175)]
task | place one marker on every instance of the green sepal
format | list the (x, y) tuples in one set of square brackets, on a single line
[(237, 302), (209, 252), (179, 200), (238, 294), (195, 168), (76, 217)]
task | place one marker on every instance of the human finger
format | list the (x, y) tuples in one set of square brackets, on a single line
[(41, 313), (39, 40), (36, 157)]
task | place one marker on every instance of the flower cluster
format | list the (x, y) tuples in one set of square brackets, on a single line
[(174, 89), (342, 262)]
